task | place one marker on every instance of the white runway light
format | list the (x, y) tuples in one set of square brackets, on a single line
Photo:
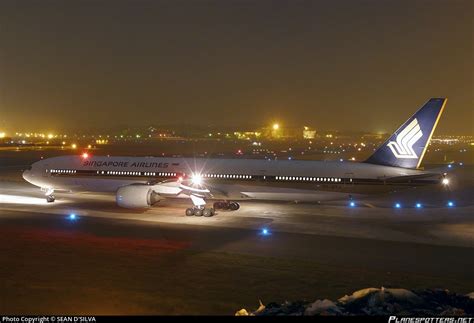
[(15, 199)]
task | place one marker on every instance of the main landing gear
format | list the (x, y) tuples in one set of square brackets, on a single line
[(226, 205), (200, 211)]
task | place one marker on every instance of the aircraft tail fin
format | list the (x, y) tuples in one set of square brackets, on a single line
[(407, 146)]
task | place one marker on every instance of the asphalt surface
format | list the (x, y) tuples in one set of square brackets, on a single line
[(115, 261)]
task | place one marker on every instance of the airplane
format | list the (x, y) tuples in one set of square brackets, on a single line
[(141, 182)]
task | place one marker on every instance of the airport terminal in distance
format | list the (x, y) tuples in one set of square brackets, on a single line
[(211, 226)]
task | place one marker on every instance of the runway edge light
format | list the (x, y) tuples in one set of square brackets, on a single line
[(265, 232)]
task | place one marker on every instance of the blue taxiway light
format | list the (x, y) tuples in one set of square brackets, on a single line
[(352, 204), (265, 232), (450, 166), (398, 205), (450, 203), (419, 205), (72, 216)]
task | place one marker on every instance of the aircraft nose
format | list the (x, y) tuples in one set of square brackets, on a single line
[(27, 175)]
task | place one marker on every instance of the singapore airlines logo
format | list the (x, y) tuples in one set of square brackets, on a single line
[(403, 147)]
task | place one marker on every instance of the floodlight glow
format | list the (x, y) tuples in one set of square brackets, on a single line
[(445, 181), (15, 199), (276, 126)]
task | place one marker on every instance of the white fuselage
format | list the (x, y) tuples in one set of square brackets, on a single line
[(227, 178)]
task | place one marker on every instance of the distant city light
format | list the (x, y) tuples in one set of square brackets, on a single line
[(50, 136), (85, 155), (276, 126), (3, 135), (73, 146), (445, 181)]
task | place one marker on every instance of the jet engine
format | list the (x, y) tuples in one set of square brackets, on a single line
[(137, 196)]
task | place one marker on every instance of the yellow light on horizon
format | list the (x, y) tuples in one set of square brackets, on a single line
[(73, 146), (3, 135), (50, 136), (276, 126)]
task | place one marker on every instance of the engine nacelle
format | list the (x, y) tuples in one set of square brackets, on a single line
[(136, 196)]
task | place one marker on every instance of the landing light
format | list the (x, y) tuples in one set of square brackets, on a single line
[(445, 181), (196, 179)]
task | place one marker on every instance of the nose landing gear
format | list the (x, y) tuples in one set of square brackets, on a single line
[(49, 192)]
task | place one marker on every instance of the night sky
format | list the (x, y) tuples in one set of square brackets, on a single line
[(346, 65)]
